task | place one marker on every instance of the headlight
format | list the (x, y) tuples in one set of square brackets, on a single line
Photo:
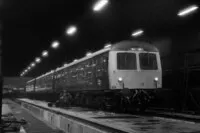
[(120, 79), (156, 79)]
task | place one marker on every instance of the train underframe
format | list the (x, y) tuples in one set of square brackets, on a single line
[(118, 100)]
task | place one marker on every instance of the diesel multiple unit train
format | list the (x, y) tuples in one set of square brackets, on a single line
[(125, 74)]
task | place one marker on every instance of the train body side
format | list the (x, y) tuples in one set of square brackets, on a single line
[(101, 72), (91, 74)]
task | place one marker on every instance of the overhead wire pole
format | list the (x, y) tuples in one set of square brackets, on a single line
[(1, 76)]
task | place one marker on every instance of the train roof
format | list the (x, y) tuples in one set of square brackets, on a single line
[(30, 80), (127, 45), (46, 74), (84, 58), (123, 45)]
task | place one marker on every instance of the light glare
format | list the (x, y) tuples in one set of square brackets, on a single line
[(100, 5), (187, 11), (137, 33), (71, 30)]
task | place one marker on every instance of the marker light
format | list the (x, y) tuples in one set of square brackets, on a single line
[(120, 79), (156, 79)]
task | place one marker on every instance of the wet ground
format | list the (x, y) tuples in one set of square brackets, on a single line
[(132, 123)]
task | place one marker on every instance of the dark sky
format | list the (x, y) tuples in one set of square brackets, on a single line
[(29, 27)]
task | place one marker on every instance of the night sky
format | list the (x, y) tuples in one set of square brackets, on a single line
[(30, 26)]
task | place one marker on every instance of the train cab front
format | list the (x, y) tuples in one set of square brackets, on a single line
[(136, 73)]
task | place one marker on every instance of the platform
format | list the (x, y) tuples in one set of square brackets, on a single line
[(77, 118), (34, 125), (5, 109)]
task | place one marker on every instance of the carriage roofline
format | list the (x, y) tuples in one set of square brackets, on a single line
[(40, 76), (73, 63), (30, 80), (46, 74), (123, 45), (127, 45), (84, 58)]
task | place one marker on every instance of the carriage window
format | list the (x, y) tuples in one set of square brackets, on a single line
[(148, 61), (126, 61)]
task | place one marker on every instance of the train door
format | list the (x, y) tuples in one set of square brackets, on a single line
[(102, 71)]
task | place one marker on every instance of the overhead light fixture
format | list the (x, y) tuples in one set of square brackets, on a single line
[(100, 5), (188, 10), (45, 53), (32, 64), (137, 33), (55, 44), (37, 60), (71, 30)]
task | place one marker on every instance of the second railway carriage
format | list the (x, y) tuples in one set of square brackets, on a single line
[(30, 85), (126, 73), (40, 88)]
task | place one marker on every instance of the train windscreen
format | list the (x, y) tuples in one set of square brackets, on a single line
[(126, 61), (148, 61)]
